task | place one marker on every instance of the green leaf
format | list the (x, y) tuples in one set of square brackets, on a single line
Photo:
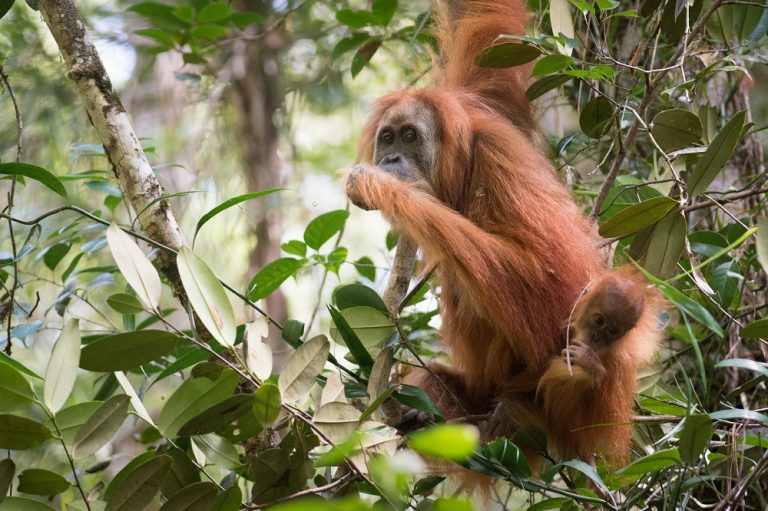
[(266, 408), (292, 332), (220, 451), (595, 115), (544, 85), (547, 504), (62, 366), (19, 433), (228, 500), (356, 19), (384, 10), (15, 391), (160, 36), (350, 43), (371, 327), (271, 276), (695, 437), (295, 247), (197, 496), (510, 457), (55, 254), (358, 295), (745, 363), (322, 228), (755, 330), (344, 331), (101, 426), (416, 398), (34, 172), (125, 472), (587, 470), (70, 419), (652, 463), (737, 413), (363, 56), (8, 361), (304, 364), (219, 416), (125, 303), (121, 352), (507, 55), (676, 129), (636, 217), (454, 442), (135, 266), (209, 31), (234, 200), (193, 397), (207, 296), (37, 481), (424, 485), (717, 155), (214, 12), (661, 245), (551, 64), (7, 470), (139, 487), (23, 504), (366, 268)]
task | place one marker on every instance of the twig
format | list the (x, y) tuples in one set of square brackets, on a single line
[(309, 491)]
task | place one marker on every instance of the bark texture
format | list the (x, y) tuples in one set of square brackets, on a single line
[(122, 146)]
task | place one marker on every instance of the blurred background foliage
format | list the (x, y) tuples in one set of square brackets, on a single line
[(653, 113)]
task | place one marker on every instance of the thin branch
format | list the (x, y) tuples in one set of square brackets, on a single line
[(346, 478)]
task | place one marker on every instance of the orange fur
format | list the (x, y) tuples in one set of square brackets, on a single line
[(587, 414), (513, 249)]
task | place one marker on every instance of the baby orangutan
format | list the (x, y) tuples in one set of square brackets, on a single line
[(587, 394)]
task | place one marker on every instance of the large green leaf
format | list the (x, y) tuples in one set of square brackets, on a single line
[(234, 200), (207, 296), (755, 330), (23, 504), (304, 364), (717, 155), (7, 470), (125, 472), (507, 55), (344, 331), (218, 416), (135, 266), (70, 419), (595, 115), (676, 129), (636, 217), (271, 276), (197, 496), (19, 433), (193, 397), (101, 426), (652, 463), (737, 413), (320, 229), (544, 85), (15, 391), (660, 245), (695, 437), (354, 295), (34, 172), (551, 64), (139, 487), (745, 363), (448, 441), (267, 405), (62, 366), (125, 351), (37, 481), (228, 500)]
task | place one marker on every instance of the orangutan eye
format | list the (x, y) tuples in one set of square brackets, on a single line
[(386, 137), (409, 135), (599, 319)]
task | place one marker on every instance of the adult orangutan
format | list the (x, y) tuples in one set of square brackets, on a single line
[(454, 167)]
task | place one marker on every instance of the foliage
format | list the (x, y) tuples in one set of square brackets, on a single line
[(664, 147)]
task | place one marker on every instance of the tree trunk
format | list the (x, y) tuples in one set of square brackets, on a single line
[(256, 96)]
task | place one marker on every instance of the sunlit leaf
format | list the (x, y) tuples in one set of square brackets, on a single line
[(350, 336), (125, 303), (745, 363), (562, 22), (207, 296), (15, 391), (62, 366), (302, 367), (135, 267), (449, 441), (322, 228), (761, 241), (337, 420), (271, 276), (258, 353), (653, 462), (551, 64), (736, 413)]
